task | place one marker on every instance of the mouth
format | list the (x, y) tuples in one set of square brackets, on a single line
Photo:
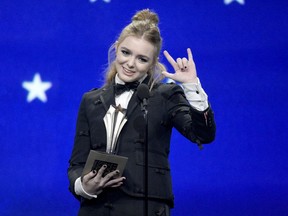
[(128, 72)]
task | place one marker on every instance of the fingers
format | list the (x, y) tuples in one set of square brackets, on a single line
[(94, 182), (190, 56), (168, 57), (102, 170), (111, 175), (115, 182), (89, 176), (110, 179), (171, 60), (117, 185), (168, 75), (180, 63), (185, 63), (95, 176)]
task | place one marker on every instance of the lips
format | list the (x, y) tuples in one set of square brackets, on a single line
[(128, 72)]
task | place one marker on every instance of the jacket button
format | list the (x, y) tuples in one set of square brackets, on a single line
[(160, 171), (108, 205), (139, 190)]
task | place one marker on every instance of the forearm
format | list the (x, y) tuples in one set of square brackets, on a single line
[(81, 147), (195, 124), (74, 172), (196, 95), (203, 125)]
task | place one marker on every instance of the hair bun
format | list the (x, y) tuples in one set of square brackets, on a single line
[(146, 15)]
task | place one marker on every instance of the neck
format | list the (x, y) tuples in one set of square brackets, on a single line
[(120, 81)]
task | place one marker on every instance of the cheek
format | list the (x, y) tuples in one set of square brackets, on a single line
[(120, 58), (143, 68)]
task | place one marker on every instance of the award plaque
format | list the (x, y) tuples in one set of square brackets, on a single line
[(97, 159)]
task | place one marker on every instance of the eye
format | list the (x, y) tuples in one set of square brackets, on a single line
[(143, 60), (125, 52)]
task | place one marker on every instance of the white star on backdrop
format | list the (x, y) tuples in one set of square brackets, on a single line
[(36, 88), (242, 2)]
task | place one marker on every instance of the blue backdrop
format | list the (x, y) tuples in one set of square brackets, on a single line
[(240, 50)]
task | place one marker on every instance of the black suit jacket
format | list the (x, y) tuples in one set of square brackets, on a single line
[(167, 108)]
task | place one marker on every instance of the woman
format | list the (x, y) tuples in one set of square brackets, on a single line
[(136, 59)]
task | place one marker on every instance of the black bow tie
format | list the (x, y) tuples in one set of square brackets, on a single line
[(120, 88)]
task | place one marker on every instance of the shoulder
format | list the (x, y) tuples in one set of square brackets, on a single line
[(168, 88), (94, 93), (91, 93)]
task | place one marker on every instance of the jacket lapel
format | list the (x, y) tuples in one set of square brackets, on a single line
[(107, 97), (135, 101)]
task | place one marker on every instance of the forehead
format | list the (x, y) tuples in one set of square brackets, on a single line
[(138, 46)]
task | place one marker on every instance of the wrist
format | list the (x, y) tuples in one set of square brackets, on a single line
[(194, 80), (79, 190)]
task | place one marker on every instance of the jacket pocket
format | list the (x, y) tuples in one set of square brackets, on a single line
[(98, 146), (84, 133), (155, 160)]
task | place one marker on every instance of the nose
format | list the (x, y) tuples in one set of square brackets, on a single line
[(131, 62)]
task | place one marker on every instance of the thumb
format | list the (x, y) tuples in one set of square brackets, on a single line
[(168, 75)]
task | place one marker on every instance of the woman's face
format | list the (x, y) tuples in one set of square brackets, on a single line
[(134, 58)]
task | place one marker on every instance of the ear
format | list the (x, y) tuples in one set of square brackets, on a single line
[(155, 63), (152, 68)]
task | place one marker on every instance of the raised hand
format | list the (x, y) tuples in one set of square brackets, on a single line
[(185, 70)]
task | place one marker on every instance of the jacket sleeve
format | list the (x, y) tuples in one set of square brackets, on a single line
[(81, 147), (197, 126)]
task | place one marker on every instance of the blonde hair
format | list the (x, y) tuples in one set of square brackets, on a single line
[(144, 25)]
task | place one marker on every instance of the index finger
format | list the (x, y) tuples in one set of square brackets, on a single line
[(89, 175), (101, 171), (171, 60)]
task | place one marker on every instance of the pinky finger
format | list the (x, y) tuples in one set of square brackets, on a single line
[(190, 56), (117, 185)]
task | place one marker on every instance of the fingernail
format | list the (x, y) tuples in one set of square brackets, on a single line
[(105, 166), (117, 171), (94, 171)]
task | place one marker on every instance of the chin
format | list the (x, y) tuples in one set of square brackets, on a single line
[(127, 79)]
